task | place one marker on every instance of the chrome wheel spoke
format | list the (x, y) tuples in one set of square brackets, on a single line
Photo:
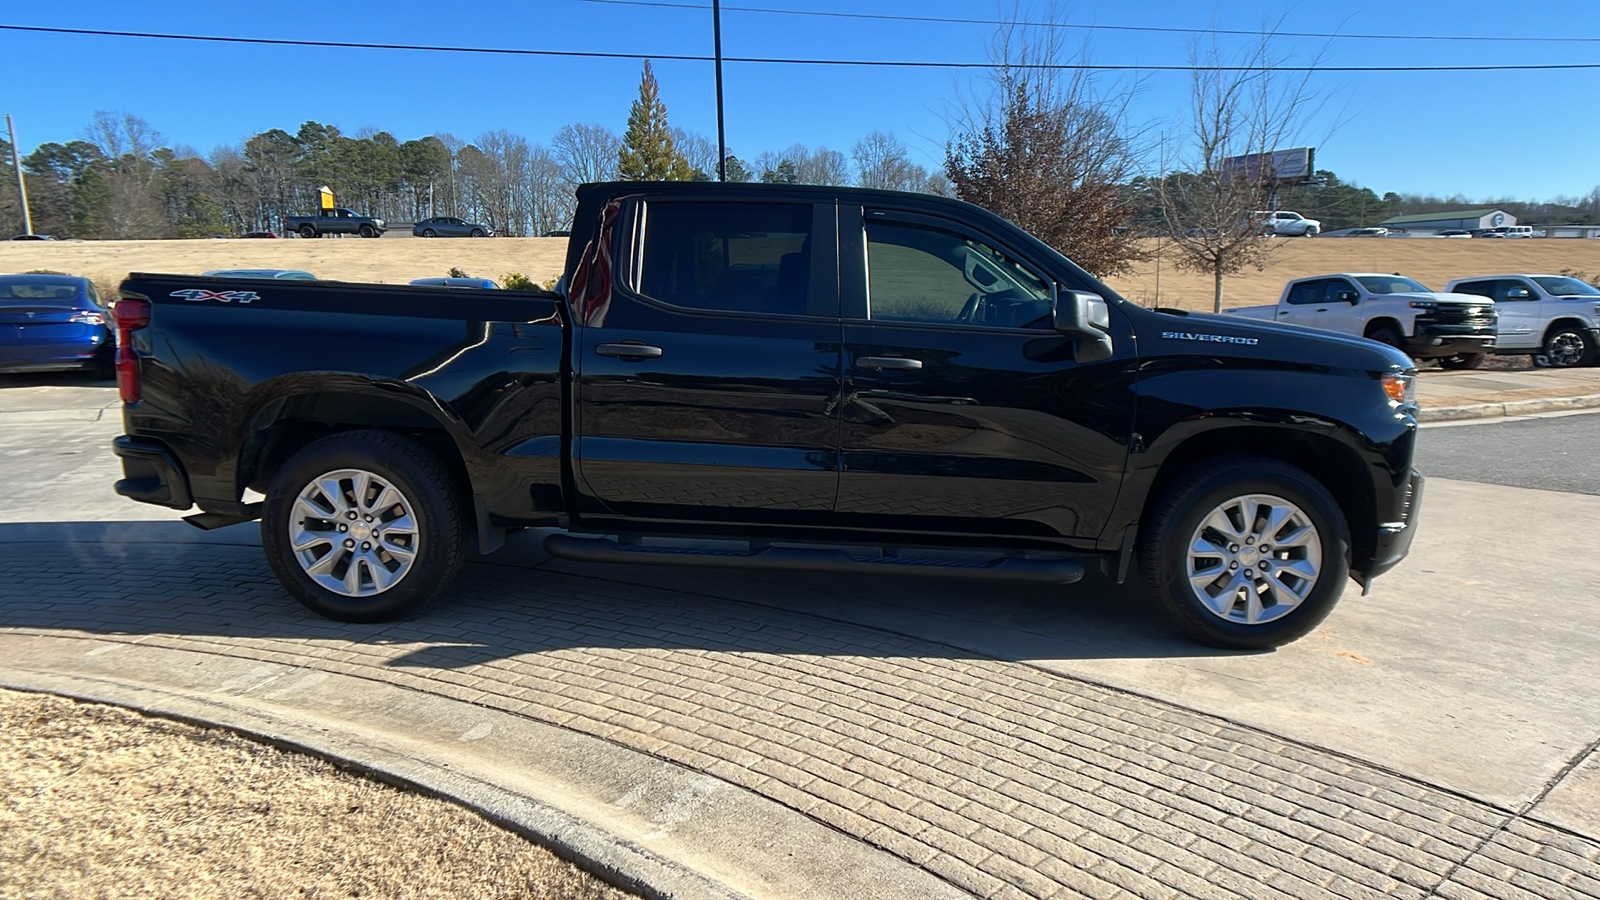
[(359, 558), (1237, 581)]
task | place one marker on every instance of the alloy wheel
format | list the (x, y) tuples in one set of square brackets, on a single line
[(1254, 558), (353, 532)]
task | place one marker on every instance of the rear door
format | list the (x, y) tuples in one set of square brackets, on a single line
[(708, 367), (1301, 299), (964, 412)]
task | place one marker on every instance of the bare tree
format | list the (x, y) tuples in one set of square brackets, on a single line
[(129, 144), (1240, 109), (883, 162), (1050, 148), (801, 165), (698, 151), (587, 152), (549, 192)]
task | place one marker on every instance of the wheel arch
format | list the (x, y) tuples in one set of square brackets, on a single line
[(282, 426), (1381, 322), (1327, 459), (1564, 321)]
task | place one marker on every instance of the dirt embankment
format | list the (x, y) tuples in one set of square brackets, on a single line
[(1157, 282)]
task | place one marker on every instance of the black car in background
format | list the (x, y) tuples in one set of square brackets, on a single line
[(53, 323), (450, 226)]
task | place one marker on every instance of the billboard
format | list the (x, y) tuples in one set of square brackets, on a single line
[(1281, 166)]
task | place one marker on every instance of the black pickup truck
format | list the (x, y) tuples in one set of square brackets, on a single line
[(848, 380), (335, 221)]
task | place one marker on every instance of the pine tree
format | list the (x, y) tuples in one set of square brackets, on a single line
[(648, 153)]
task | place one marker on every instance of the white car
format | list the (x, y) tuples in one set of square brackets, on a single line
[(1456, 329), (1556, 317), (1285, 223)]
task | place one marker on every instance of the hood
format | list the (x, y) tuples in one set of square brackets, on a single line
[(1166, 332)]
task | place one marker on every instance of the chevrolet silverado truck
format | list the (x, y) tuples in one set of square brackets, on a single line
[(335, 221), (836, 380), (1553, 318), (1458, 330)]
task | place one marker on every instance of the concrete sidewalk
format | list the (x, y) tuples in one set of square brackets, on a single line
[(1484, 394)]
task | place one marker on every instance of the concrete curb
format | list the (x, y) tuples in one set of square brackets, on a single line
[(1510, 408)]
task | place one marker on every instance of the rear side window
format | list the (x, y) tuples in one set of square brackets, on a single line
[(728, 257), (1308, 292)]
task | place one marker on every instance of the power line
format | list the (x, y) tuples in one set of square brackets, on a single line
[(769, 60), (662, 4)]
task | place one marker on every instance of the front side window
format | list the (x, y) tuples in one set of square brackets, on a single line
[(1563, 286), (727, 256), (920, 274), (1392, 284)]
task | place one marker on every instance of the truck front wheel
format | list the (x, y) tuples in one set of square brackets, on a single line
[(363, 526), (1245, 552)]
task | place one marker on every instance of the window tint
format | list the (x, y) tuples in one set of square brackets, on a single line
[(736, 257), (1308, 292), (917, 274), (1481, 288)]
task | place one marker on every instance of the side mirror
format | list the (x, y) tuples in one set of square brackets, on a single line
[(1086, 317), (1518, 294), (1350, 297)]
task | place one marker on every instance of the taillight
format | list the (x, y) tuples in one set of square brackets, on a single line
[(88, 318), (130, 315)]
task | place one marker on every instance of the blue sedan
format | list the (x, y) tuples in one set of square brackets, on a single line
[(52, 323)]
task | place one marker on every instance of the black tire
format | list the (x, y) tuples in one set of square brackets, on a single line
[(1463, 361), (308, 231), (478, 232), (429, 232), (424, 484), (367, 231), (1388, 334), (1175, 518), (1568, 346)]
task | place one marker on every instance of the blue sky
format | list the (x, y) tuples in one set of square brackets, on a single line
[(1520, 135)]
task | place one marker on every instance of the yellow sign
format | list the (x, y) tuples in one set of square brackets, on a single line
[(327, 197)]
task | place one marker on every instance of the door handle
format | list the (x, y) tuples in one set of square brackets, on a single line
[(1283, 312), (888, 362), (628, 351), (1322, 309)]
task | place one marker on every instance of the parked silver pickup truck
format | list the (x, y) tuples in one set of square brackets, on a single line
[(1459, 330), (1554, 318)]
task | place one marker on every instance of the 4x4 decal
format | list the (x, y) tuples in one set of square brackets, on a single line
[(197, 294)]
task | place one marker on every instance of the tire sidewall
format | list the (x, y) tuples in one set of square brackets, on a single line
[(1167, 558), (434, 564)]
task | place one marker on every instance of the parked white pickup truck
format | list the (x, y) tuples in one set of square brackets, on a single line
[(1456, 329), (1554, 318), (1285, 223)]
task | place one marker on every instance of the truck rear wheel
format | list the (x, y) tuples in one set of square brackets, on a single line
[(363, 526), (308, 231), (1245, 552), (1568, 345)]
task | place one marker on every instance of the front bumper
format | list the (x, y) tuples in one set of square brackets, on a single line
[(1435, 341), (152, 474), (1394, 538)]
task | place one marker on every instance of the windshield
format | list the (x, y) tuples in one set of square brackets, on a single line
[(22, 291), (1392, 284), (1562, 286)]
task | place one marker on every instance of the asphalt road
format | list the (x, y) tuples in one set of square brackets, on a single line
[(1550, 454)]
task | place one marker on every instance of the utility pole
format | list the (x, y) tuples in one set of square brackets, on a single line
[(722, 141), (22, 187)]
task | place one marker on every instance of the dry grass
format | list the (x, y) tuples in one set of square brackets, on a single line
[(96, 801), (396, 260)]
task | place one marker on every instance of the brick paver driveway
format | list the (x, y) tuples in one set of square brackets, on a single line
[(1003, 778)]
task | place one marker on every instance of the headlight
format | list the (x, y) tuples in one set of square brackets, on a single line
[(1423, 304), (1402, 389)]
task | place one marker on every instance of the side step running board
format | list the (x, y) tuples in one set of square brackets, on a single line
[(1005, 568)]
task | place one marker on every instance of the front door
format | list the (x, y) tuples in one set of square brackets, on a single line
[(707, 363), (964, 412)]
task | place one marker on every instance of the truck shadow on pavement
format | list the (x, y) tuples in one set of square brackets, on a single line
[(132, 579)]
